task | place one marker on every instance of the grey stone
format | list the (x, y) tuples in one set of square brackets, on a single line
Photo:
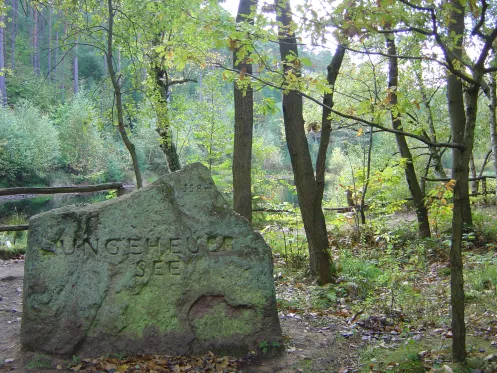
[(168, 269)]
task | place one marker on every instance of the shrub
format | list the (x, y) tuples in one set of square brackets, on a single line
[(29, 145)]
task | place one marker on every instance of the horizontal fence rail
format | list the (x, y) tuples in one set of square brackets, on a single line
[(120, 187), (66, 189), (10, 228)]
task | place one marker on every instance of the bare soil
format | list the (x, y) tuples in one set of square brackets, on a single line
[(313, 344)]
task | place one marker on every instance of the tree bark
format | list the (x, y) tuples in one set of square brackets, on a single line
[(244, 123), (49, 54), (118, 95), (493, 122), (75, 69), (36, 52), (460, 171), (163, 127), (3, 90), (13, 34), (405, 152), (435, 157), (314, 224), (472, 170)]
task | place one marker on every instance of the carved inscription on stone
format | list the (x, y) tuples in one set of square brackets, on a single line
[(194, 187), (159, 256), (168, 269)]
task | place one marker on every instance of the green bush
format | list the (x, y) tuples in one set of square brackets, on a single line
[(29, 145), (83, 151)]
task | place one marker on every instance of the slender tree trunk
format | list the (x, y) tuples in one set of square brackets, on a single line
[(163, 125), (63, 70), (314, 225), (435, 156), (493, 122), (13, 34), (405, 152), (460, 171), (36, 54), (49, 54), (118, 95), (3, 91), (41, 36), (472, 170), (244, 123), (368, 173), (75, 69)]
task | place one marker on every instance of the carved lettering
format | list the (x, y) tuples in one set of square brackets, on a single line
[(111, 245), (140, 266), (135, 246), (88, 244), (219, 243), (157, 247), (175, 245), (194, 188), (175, 267), (192, 245), (154, 245), (157, 267), (66, 250)]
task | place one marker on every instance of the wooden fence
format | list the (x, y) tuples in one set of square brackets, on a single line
[(56, 190)]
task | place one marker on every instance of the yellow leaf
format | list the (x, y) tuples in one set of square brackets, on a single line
[(77, 368), (122, 368), (242, 73), (360, 132)]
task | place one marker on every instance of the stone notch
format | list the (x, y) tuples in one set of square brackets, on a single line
[(168, 269)]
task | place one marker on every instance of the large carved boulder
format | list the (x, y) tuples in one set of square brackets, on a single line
[(168, 269)]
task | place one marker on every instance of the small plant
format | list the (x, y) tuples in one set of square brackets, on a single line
[(76, 359), (39, 361), (269, 347), (120, 356), (111, 194)]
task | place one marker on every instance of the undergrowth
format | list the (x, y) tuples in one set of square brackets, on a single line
[(386, 274)]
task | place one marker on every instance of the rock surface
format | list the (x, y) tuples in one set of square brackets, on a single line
[(168, 269)]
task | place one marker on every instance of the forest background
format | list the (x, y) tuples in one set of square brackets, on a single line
[(388, 107)]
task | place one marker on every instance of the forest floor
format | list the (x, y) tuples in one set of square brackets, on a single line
[(326, 329)]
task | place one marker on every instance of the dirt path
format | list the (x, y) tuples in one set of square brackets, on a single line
[(312, 344)]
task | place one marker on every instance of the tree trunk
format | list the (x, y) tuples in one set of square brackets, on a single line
[(493, 122), (49, 54), (13, 34), (435, 157), (63, 70), (457, 118), (405, 152), (472, 170), (314, 224), (75, 69), (163, 126), (118, 95), (36, 53), (3, 91), (244, 123)]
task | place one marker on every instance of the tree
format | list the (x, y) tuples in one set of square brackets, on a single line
[(3, 90), (13, 27), (493, 121), (116, 84), (244, 118), (305, 181), (405, 152)]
